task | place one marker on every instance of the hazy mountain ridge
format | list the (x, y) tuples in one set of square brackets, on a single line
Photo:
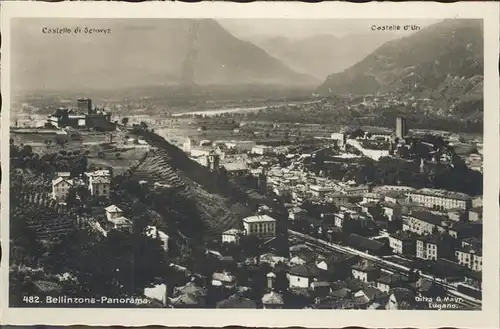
[(138, 54), (323, 54), (444, 59)]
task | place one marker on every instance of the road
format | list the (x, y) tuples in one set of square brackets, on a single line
[(389, 266)]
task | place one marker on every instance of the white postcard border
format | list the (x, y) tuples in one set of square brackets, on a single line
[(486, 318)]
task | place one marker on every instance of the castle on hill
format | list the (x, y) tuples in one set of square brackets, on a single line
[(85, 116)]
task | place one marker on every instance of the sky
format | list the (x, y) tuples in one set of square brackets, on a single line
[(293, 28)]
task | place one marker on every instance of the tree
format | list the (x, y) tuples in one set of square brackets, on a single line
[(71, 198), (251, 245), (403, 152), (61, 140), (84, 193), (281, 283), (123, 264), (378, 213), (79, 167), (141, 221), (143, 125), (26, 151), (358, 133), (125, 121), (26, 247), (232, 249)]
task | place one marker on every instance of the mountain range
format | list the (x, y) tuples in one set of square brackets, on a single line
[(323, 54), (444, 59), (142, 52)]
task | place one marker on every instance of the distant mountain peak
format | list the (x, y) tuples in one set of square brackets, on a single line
[(183, 51), (320, 54), (451, 47)]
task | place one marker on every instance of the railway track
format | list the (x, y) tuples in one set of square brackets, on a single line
[(462, 299)]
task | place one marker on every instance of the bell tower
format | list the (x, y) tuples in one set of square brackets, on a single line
[(213, 161), (262, 181), (422, 165)]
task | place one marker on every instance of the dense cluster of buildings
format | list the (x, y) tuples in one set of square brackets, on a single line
[(376, 143), (418, 217), (98, 185), (373, 143), (438, 231), (303, 278)]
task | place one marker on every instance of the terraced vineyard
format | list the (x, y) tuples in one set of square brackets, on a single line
[(155, 169), (217, 203), (41, 214), (30, 202)]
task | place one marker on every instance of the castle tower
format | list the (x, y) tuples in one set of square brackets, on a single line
[(84, 105), (401, 128)]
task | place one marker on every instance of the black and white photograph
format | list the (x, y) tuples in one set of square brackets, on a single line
[(247, 163)]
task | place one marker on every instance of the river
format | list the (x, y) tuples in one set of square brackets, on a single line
[(237, 109), (221, 111)]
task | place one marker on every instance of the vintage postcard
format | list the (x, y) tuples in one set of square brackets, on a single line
[(218, 164)]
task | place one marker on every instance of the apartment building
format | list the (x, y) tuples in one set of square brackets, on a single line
[(441, 199)]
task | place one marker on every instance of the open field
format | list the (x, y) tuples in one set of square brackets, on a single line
[(102, 149), (30, 136), (176, 131), (119, 164)]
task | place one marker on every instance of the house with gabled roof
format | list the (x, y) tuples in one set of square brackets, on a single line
[(297, 213), (187, 301), (428, 288), (365, 271), (367, 245), (401, 299), (392, 210), (232, 235), (273, 300), (113, 212), (122, 224), (387, 281), (154, 233), (223, 279), (236, 301), (99, 183), (301, 276), (337, 266), (61, 187)]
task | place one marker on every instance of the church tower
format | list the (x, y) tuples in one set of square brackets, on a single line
[(422, 165), (213, 162), (262, 182)]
